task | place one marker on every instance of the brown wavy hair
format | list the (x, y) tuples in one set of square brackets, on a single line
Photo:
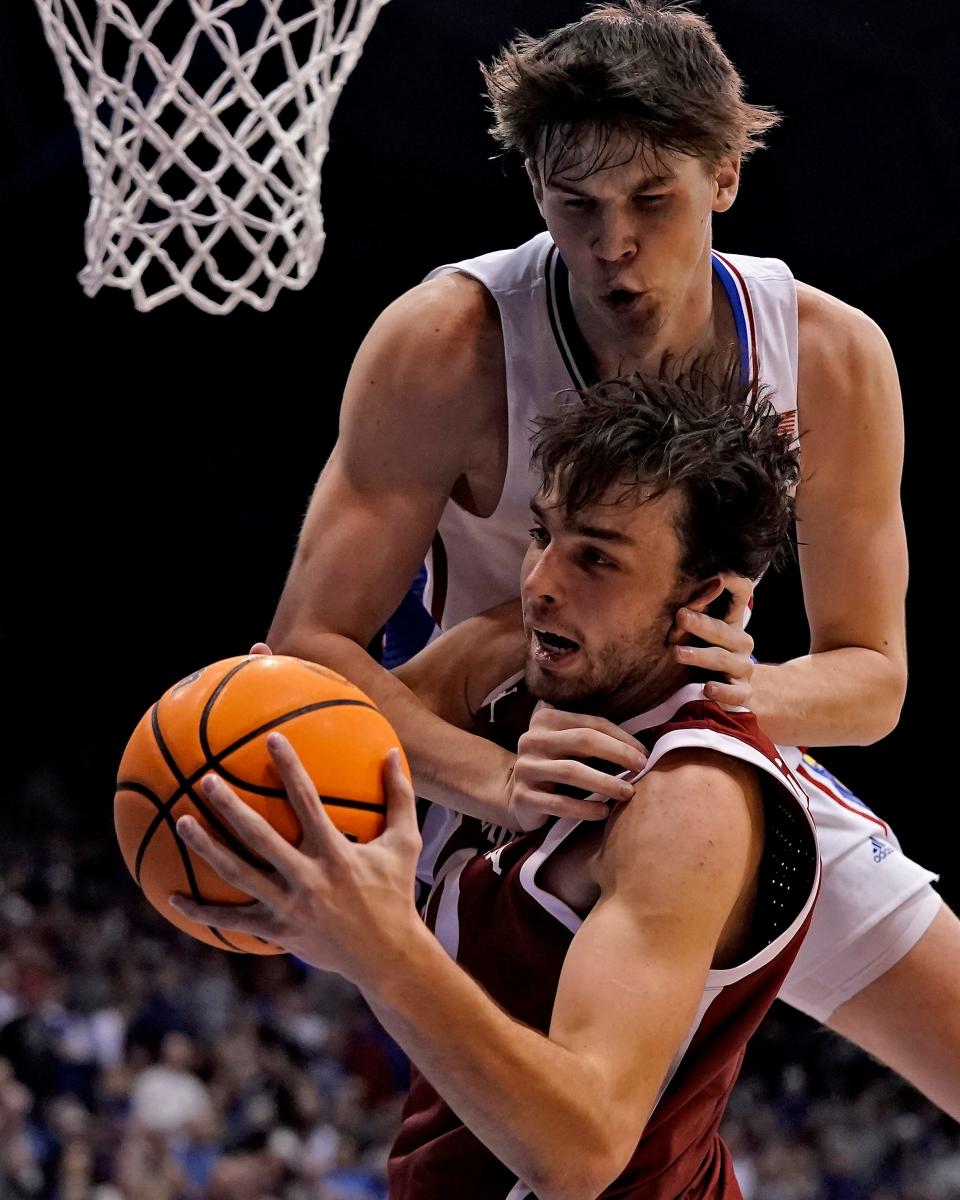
[(697, 429), (649, 71)]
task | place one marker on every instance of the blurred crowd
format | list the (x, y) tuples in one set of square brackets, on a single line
[(138, 1064)]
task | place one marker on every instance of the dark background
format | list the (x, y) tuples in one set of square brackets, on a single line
[(157, 465)]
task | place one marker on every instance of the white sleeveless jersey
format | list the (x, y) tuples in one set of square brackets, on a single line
[(875, 902), (474, 561)]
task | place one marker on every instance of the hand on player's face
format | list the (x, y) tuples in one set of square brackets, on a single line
[(550, 755), (729, 646), (334, 904)]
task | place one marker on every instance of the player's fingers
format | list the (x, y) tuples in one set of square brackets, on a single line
[(317, 827), (713, 658), (254, 831), (574, 774), (728, 636), (239, 918), (401, 800), (729, 695), (553, 804), (228, 865), (260, 648), (559, 719), (740, 588), (625, 751)]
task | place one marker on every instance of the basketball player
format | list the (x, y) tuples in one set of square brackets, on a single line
[(621, 966), (633, 128)]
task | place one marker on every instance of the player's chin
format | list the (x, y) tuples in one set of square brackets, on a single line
[(552, 683)]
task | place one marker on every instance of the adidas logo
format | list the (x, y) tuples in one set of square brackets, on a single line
[(880, 849)]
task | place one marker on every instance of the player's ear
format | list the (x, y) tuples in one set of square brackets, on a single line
[(708, 596), (536, 182), (726, 179)]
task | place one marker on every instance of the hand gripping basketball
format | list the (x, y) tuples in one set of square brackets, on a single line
[(217, 721), (339, 906)]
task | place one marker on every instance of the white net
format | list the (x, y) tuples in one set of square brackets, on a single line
[(204, 126)]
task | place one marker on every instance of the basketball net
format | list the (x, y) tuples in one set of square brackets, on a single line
[(204, 126)]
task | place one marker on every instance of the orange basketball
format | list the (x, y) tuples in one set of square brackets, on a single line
[(217, 720)]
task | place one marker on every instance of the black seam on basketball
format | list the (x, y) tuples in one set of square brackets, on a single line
[(256, 788), (229, 838), (223, 938), (278, 721), (186, 787), (141, 790), (363, 805), (163, 816), (211, 700)]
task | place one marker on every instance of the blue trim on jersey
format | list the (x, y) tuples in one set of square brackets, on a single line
[(410, 628), (739, 317), (821, 770)]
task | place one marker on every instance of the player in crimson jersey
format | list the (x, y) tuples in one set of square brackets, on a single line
[(578, 998)]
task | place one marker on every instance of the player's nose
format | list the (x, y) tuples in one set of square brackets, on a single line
[(615, 237), (542, 583)]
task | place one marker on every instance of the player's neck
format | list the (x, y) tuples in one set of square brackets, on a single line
[(638, 696), (699, 324)]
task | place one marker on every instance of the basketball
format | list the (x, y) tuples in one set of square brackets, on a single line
[(217, 720)]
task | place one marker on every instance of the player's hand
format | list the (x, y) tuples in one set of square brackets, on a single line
[(260, 648), (729, 647), (334, 904), (550, 756)]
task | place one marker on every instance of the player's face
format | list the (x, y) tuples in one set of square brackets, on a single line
[(636, 236), (600, 589)]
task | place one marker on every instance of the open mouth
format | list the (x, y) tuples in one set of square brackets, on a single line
[(622, 298), (552, 647)]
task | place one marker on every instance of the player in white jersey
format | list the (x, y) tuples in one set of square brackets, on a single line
[(633, 125)]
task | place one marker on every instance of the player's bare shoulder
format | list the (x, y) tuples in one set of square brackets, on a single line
[(846, 365), (430, 373), (442, 339)]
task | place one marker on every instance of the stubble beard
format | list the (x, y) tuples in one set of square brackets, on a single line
[(607, 683)]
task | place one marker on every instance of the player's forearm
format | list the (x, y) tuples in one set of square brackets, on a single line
[(450, 766), (538, 1107), (846, 697)]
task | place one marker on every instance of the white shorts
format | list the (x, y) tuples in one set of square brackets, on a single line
[(874, 904)]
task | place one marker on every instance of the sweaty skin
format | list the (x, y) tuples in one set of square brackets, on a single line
[(667, 886), (424, 419), (565, 1111)]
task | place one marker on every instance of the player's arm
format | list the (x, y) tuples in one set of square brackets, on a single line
[(425, 382), (564, 1111), (454, 674), (849, 689)]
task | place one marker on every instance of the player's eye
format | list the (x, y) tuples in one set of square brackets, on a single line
[(651, 199), (593, 558), (539, 535), (577, 202)]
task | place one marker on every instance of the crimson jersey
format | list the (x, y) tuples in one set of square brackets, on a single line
[(487, 905)]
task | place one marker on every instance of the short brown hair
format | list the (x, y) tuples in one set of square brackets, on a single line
[(647, 70), (700, 431)]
